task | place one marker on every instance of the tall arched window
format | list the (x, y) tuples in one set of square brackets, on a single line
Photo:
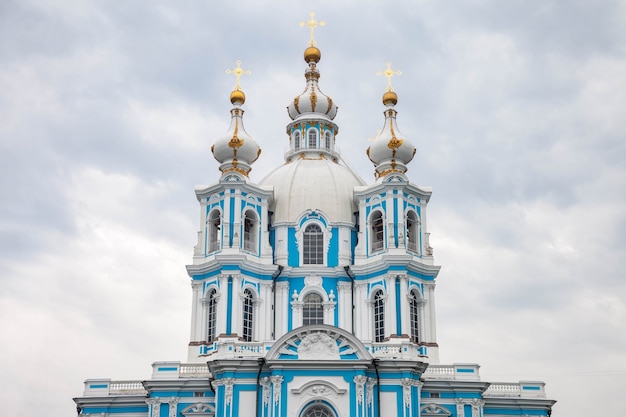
[(377, 231), (211, 315), (318, 410), (312, 138), (379, 317), (414, 316), (313, 245), (327, 140), (312, 309), (250, 231), (296, 139), (248, 315), (214, 222), (412, 231)]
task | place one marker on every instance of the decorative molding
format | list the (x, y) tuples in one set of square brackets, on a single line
[(155, 408), (436, 410), (360, 381), (277, 381), (265, 383), (228, 390), (318, 346)]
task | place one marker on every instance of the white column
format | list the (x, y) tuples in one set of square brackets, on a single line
[(196, 308), (222, 305), (266, 294), (237, 309), (404, 305), (282, 301), (390, 306), (345, 306), (430, 307)]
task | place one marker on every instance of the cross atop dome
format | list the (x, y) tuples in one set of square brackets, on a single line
[(238, 73), (388, 72), (312, 24)]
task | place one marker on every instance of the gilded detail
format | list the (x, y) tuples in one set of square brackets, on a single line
[(330, 104), (313, 100), (295, 103)]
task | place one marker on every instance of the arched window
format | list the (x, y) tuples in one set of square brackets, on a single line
[(312, 138), (318, 410), (414, 317), (313, 245), (214, 231), (250, 231), (412, 231), (248, 315), (379, 317), (296, 139), (312, 309), (377, 230), (211, 315), (327, 139)]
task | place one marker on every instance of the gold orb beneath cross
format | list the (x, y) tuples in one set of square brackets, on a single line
[(312, 54), (390, 97), (237, 96)]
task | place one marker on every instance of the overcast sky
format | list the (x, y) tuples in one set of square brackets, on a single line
[(108, 110)]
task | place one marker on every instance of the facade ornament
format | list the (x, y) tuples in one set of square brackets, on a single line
[(460, 407), (277, 381), (173, 402), (360, 381), (477, 407), (369, 386), (265, 383), (407, 383), (155, 406), (318, 346), (228, 390)]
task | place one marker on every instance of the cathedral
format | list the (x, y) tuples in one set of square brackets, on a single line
[(313, 291)]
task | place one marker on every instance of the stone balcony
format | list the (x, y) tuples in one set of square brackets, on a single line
[(177, 370)]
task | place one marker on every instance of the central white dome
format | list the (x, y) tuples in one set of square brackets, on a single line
[(313, 184)]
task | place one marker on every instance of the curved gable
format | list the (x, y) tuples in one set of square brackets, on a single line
[(318, 342)]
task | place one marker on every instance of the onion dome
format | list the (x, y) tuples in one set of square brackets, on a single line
[(390, 151), (237, 150), (312, 101)]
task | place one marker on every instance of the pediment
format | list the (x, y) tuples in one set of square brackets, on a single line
[(199, 410), (318, 342), (432, 410)]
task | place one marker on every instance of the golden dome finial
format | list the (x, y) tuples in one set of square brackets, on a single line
[(389, 73), (238, 73), (312, 24)]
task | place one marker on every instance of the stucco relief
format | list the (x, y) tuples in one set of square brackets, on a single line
[(318, 346)]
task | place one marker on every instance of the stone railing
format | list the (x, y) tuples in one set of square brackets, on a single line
[(126, 387), (524, 389), (456, 371), (105, 387)]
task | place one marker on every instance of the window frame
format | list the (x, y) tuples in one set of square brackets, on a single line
[(412, 231), (377, 231), (250, 241), (312, 137), (247, 315), (378, 315), (211, 312), (312, 316), (318, 245), (214, 222)]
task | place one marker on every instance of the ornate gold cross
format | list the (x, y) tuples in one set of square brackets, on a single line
[(312, 24), (238, 73), (389, 73)]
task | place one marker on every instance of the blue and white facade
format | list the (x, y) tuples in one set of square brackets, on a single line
[(313, 291)]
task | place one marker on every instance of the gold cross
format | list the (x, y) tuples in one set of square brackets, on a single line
[(312, 24), (238, 72), (389, 73)]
